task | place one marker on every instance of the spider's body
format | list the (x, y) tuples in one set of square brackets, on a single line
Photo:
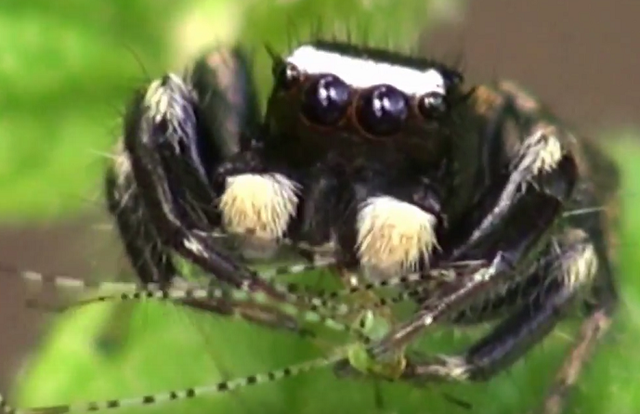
[(389, 164)]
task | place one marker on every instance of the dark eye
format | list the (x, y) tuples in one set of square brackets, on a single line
[(452, 78), (326, 100), (286, 76), (432, 105), (383, 110)]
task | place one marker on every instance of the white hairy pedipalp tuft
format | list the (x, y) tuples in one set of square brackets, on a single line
[(393, 236), (258, 207)]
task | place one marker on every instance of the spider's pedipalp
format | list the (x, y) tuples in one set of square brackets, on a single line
[(393, 236), (258, 208)]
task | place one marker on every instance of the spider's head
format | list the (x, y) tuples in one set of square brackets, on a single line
[(338, 96), (367, 135)]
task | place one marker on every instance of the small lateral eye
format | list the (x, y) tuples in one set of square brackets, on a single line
[(287, 76), (432, 105), (326, 100), (453, 78), (383, 110)]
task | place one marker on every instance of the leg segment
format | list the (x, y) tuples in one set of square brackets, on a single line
[(163, 138), (148, 257), (221, 90), (541, 181), (565, 274), (602, 303)]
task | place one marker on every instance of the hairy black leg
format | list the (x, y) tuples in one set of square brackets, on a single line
[(227, 103), (601, 185), (496, 305), (161, 135), (151, 262), (541, 181), (543, 165), (223, 101), (566, 273), (602, 304)]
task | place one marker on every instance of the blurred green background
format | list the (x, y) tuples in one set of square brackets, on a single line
[(66, 68)]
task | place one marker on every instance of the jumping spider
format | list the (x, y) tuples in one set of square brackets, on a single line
[(389, 164)]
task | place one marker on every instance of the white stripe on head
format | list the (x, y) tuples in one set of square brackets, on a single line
[(363, 73)]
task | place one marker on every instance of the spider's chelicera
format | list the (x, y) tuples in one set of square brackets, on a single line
[(389, 164)]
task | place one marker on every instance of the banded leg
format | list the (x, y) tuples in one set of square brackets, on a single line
[(176, 395)]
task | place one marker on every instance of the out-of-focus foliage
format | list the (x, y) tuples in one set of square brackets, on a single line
[(65, 70)]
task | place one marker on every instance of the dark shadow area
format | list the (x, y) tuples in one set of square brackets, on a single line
[(578, 55)]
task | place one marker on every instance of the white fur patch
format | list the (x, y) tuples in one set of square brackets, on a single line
[(362, 73), (580, 271), (543, 151), (159, 100), (258, 207), (393, 235), (550, 155), (121, 163)]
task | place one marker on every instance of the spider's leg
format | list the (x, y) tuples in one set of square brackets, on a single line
[(592, 330), (541, 181), (565, 274), (543, 167), (224, 300), (177, 395), (150, 260), (218, 88), (161, 136), (603, 301)]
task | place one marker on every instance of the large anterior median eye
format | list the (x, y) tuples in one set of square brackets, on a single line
[(382, 110), (326, 100)]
